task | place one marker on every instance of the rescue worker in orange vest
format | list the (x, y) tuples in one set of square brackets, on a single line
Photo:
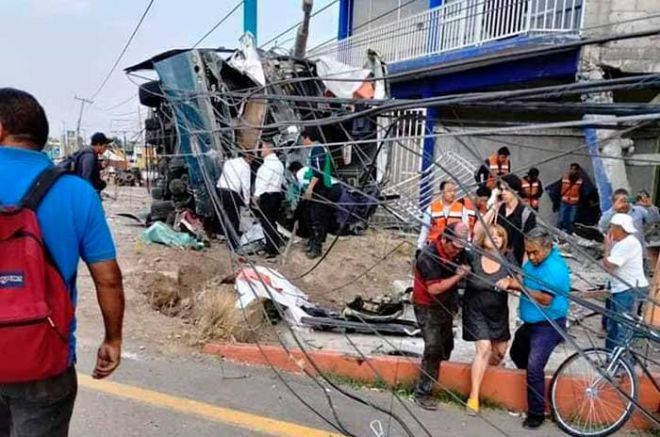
[(496, 166), (571, 195), (444, 211), (531, 189)]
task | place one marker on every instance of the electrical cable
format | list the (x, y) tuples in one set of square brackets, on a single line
[(218, 24), (123, 52), (316, 368)]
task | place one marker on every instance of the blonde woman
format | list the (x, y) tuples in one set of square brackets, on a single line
[(485, 309)]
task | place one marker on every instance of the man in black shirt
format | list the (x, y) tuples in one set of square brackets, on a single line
[(85, 162), (438, 270)]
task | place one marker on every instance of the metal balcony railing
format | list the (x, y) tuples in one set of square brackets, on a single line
[(457, 24)]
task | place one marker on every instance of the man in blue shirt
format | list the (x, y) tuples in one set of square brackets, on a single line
[(545, 286), (73, 226)]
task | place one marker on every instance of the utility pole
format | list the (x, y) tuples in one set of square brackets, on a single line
[(303, 30), (82, 107), (250, 17)]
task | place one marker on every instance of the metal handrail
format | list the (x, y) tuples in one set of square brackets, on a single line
[(456, 25)]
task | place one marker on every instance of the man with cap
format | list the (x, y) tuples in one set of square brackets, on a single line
[(438, 270), (624, 260), (268, 194), (85, 162)]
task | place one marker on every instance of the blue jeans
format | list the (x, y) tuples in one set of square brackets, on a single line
[(532, 345), (622, 302), (566, 216)]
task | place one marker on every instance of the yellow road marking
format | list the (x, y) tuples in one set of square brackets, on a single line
[(235, 418)]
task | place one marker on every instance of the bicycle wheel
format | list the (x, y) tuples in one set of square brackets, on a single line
[(583, 402)]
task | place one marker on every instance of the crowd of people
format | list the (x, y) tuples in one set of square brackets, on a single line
[(489, 244), (262, 190)]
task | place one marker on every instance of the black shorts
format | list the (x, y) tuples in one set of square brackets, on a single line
[(486, 316)]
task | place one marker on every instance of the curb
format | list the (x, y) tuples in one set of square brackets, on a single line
[(505, 387)]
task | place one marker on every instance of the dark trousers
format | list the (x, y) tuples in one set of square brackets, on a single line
[(608, 307), (436, 325), (531, 349), (269, 207), (231, 217), (38, 409), (567, 214), (322, 211)]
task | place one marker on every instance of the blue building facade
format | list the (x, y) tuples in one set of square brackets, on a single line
[(441, 47)]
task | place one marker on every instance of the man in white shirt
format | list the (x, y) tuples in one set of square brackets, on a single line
[(234, 191), (624, 260), (268, 195)]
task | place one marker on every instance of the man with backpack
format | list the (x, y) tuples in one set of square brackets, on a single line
[(85, 162), (48, 221)]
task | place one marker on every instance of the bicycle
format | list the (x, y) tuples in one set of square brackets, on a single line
[(586, 389)]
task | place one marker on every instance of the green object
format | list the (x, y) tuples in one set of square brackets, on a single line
[(327, 171), (161, 233)]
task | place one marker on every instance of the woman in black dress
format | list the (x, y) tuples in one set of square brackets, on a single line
[(485, 309)]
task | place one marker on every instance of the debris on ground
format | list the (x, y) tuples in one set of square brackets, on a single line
[(161, 233), (253, 284)]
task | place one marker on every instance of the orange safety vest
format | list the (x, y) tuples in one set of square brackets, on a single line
[(496, 169), (460, 210), (570, 191), (530, 192)]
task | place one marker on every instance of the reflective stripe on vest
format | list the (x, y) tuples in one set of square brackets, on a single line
[(496, 169), (459, 211), (530, 193), (570, 192)]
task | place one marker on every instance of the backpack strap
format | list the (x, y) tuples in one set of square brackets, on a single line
[(41, 186)]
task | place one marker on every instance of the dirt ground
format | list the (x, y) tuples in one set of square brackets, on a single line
[(162, 283)]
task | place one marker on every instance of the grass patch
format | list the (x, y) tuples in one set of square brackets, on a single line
[(406, 390)]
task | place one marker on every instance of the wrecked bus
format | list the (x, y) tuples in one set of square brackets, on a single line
[(207, 104)]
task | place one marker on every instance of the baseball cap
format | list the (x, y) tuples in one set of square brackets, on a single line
[(100, 138), (625, 221)]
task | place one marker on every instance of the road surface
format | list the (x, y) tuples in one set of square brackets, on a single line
[(204, 396)]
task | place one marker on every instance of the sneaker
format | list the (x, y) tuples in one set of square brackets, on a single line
[(427, 402), (533, 421), (472, 407), (315, 252)]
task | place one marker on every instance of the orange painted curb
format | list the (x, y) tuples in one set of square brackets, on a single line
[(506, 387)]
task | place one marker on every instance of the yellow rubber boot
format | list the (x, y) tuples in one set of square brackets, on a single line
[(472, 406)]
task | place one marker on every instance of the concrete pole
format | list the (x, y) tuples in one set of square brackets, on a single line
[(609, 174), (82, 108), (250, 18)]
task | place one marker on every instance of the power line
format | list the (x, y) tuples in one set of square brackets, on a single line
[(122, 103), (123, 52), (222, 20)]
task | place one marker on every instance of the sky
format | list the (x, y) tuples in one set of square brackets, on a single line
[(58, 49)]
